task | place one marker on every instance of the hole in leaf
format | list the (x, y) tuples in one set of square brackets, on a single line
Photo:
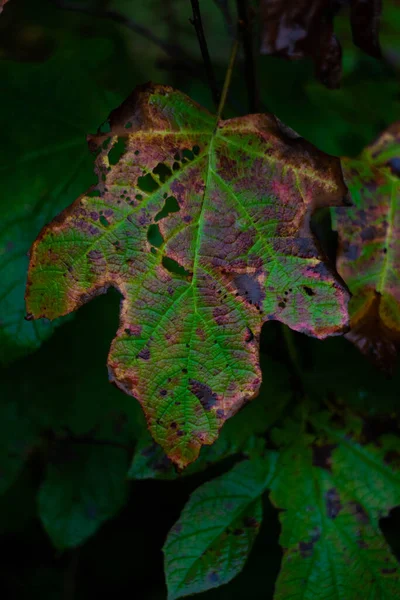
[(128, 125), (196, 150), (117, 151), (163, 172), (174, 267), (147, 184), (104, 221), (105, 128), (106, 142), (154, 236), (93, 193), (175, 166), (188, 154), (171, 205), (308, 290)]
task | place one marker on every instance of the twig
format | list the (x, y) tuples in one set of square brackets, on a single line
[(228, 78), (198, 25), (249, 61)]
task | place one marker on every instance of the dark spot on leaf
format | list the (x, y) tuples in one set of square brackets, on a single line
[(351, 251), (238, 532), (306, 548), (250, 522), (333, 505), (144, 354), (204, 393), (389, 571), (249, 288), (368, 233), (249, 336), (394, 164), (321, 455), (359, 513), (213, 577)]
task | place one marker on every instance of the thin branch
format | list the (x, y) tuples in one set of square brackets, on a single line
[(249, 60), (198, 25), (228, 78)]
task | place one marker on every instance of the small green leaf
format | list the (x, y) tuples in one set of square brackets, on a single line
[(84, 486), (333, 490), (210, 542), (198, 284)]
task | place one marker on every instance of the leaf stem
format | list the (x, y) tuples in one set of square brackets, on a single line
[(228, 78), (198, 25)]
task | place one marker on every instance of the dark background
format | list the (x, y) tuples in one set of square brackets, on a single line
[(61, 72)]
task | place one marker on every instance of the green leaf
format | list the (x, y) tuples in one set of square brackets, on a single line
[(198, 282), (369, 251), (334, 487), (44, 160), (212, 539), (84, 486)]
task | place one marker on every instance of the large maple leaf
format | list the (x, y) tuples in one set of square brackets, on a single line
[(369, 247), (204, 228)]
